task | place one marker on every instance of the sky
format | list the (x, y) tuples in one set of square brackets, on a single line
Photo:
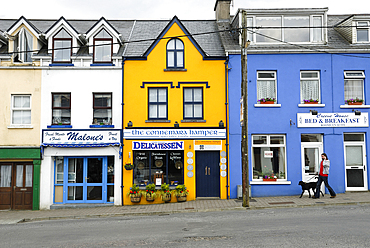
[(159, 9)]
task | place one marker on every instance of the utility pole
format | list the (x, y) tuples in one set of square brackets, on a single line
[(244, 91)]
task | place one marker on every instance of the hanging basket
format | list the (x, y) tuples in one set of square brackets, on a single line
[(149, 198), (129, 166), (135, 199), (166, 197), (181, 198)]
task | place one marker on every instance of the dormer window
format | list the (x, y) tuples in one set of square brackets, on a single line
[(362, 29), (175, 54), (23, 45), (103, 47), (62, 47)]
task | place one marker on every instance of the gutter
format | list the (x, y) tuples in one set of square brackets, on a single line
[(226, 126)]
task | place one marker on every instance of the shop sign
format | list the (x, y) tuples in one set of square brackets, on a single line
[(157, 145), (80, 137), (207, 145), (174, 133), (332, 120)]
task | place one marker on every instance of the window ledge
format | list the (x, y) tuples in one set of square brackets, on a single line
[(184, 121), (102, 64), (101, 126), (61, 64), (302, 105), (153, 121), (257, 105), (60, 126), (19, 126), (282, 182), (354, 106), (175, 69)]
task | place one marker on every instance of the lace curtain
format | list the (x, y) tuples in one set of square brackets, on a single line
[(353, 89), (309, 90), (5, 175), (266, 89)]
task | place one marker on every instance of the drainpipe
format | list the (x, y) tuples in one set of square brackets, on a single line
[(226, 125), (123, 124)]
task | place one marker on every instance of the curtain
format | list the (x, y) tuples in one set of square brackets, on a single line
[(353, 89), (266, 89), (5, 176), (309, 90), (19, 180), (28, 176)]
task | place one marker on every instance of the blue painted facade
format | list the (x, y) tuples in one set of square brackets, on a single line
[(276, 120)]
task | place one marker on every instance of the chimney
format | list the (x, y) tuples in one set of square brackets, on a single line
[(222, 9)]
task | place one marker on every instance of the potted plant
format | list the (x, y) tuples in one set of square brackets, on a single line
[(267, 100), (150, 192), (356, 101), (165, 192), (135, 194), (181, 192), (129, 166), (311, 101)]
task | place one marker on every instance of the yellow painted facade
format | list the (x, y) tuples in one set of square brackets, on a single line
[(139, 75)]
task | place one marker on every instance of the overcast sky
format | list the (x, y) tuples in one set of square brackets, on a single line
[(158, 9)]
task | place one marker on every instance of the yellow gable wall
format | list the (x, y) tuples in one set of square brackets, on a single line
[(28, 82)]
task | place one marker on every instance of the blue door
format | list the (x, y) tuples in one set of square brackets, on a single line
[(207, 174)]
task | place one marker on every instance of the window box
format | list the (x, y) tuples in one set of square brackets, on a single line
[(269, 179), (267, 102), (311, 102), (355, 103)]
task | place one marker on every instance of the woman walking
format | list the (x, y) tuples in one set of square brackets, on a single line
[(323, 177)]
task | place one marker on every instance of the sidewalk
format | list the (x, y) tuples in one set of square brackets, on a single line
[(18, 216)]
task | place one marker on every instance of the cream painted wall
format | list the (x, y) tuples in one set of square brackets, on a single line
[(20, 81)]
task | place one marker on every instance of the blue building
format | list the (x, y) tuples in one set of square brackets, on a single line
[(303, 71)]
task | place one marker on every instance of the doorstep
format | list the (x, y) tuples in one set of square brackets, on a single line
[(81, 205)]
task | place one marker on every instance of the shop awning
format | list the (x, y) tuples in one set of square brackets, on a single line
[(79, 145)]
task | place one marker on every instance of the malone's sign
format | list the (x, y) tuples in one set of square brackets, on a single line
[(174, 133), (81, 137), (332, 120)]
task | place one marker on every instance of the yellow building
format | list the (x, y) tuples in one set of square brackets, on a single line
[(175, 109)]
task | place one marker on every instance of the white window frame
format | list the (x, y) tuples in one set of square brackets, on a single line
[(268, 139), (269, 79), (23, 109), (306, 79), (367, 26), (361, 76)]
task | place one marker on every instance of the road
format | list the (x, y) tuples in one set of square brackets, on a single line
[(334, 226)]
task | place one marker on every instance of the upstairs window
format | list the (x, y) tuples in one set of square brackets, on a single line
[(266, 85), (193, 103), (310, 86), (61, 107), (157, 103), (23, 45), (103, 47), (102, 108), (362, 31), (62, 47), (21, 109), (354, 86), (175, 54)]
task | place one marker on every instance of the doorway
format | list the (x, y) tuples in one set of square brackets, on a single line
[(207, 174)]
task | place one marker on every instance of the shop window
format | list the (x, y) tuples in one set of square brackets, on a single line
[(310, 86), (62, 47), (103, 46), (21, 109), (362, 31), (354, 86), (193, 103), (157, 103), (266, 85), (61, 106), (102, 104), (269, 156), (158, 167), (175, 54), (23, 44)]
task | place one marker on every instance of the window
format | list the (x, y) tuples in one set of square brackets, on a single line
[(62, 47), (193, 103), (103, 44), (266, 85), (310, 86), (269, 156), (353, 85), (362, 31), (21, 109), (23, 45), (158, 103), (102, 108), (61, 106), (317, 30), (268, 35), (175, 54), (296, 34)]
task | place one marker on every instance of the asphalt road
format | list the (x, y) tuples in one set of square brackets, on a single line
[(334, 226)]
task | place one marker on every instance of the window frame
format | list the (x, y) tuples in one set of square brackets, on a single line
[(62, 39), (20, 109), (264, 79), (360, 27), (69, 107), (354, 78), (157, 103), (95, 107), (111, 47), (193, 103), (23, 55), (307, 79), (175, 51)]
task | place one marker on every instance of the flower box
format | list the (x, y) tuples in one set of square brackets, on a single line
[(354, 103), (311, 102), (269, 179), (267, 102)]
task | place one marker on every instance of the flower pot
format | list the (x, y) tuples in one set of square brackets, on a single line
[(166, 197), (355, 103), (269, 179), (181, 198), (311, 102), (149, 198), (267, 102), (128, 167), (135, 199)]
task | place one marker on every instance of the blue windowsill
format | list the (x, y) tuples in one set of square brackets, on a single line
[(60, 126), (101, 126), (61, 64), (107, 64)]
